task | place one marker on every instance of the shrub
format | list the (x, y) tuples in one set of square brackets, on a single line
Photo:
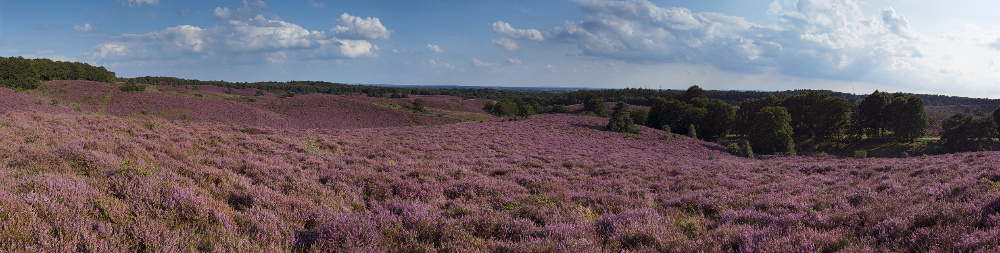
[(747, 150), (692, 132), (860, 154), (666, 128), (560, 109), (418, 105), (595, 105), (621, 120), (733, 149), (259, 93), (131, 86)]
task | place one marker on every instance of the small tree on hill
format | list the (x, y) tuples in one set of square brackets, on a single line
[(131, 86), (639, 116), (771, 132), (692, 132), (621, 120), (418, 105)]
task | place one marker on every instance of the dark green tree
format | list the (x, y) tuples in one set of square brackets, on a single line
[(718, 120), (692, 93), (908, 120), (640, 116), (621, 120), (595, 105), (870, 115), (800, 108), (995, 116), (419, 105), (771, 132), (748, 112), (18, 73), (962, 132), (829, 118)]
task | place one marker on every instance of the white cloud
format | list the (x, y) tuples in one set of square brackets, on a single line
[(550, 68), (246, 34), (138, 3), (351, 27), (504, 29), (316, 5), (83, 28), (478, 63), (222, 14), (811, 38), (513, 61), (434, 49), (262, 34), (435, 64), (507, 44), (109, 50)]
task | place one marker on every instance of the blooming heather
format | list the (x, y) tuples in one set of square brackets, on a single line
[(72, 181)]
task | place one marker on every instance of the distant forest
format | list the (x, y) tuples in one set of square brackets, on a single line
[(633, 96), (19, 73)]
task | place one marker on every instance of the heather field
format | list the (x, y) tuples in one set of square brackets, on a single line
[(92, 169)]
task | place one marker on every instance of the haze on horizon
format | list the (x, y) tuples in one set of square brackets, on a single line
[(932, 47)]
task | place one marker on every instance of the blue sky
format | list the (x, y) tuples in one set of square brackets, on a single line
[(934, 47)]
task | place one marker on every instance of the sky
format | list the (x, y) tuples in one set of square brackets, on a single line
[(916, 46)]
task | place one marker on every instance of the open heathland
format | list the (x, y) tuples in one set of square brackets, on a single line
[(85, 167)]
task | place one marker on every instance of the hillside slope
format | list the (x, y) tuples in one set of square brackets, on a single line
[(551, 183)]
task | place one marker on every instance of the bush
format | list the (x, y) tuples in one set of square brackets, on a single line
[(692, 132), (748, 150), (131, 86), (666, 128), (860, 154), (733, 149), (259, 93), (418, 105), (621, 120), (561, 109)]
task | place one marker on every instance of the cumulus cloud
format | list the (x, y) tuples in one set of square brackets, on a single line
[(513, 61), (83, 28), (138, 3), (811, 38), (351, 27), (244, 32), (507, 44), (510, 35), (434, 49), (502, 28), (109, 50)]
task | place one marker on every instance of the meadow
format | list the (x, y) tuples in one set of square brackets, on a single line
[(87, 168)]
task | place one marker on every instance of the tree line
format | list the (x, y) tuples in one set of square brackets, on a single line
[(19, 73)]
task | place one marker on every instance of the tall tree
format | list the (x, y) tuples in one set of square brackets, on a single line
[(718, 120), (908, 118), (870, 115), (748, 112), (830, 118), (771, 132)]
